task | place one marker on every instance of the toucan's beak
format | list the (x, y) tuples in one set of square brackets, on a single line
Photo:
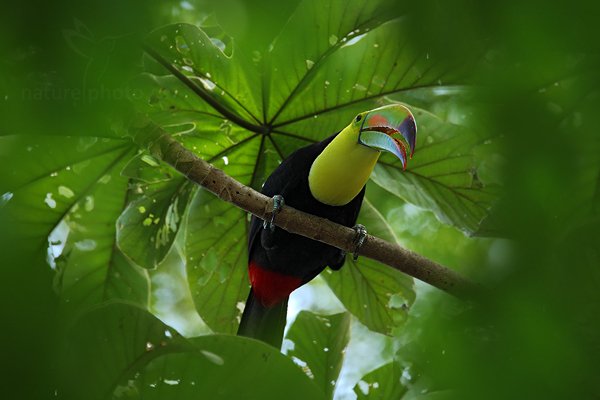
[(379, 126)]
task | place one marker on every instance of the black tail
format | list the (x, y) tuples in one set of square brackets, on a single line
[(263, 323)]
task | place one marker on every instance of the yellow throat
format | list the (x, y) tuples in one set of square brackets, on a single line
[(339, 173)]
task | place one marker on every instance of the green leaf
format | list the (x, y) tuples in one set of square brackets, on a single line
[(377, 295), (217, 259), (353, 76), (40, 192), (71, 199), (222, 81), (325, 29), (122, 350), (165, 95), (173, 104), (91, 268), (319, 343), (382, 383), (148, 226), (443, 175), (110, 343), (223, 367)]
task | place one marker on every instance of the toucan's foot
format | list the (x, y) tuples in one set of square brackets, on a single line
[(278, 203), (359, 239)]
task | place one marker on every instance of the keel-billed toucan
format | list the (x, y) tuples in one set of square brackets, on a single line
[(326, 179)]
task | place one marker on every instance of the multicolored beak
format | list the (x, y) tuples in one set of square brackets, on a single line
[(381, 124)]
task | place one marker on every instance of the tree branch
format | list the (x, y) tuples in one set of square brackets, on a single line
[(163, 146)]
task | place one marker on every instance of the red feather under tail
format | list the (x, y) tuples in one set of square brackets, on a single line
[(265, 312), (271, 287)]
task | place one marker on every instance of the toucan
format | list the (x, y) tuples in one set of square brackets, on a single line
[(326, 179)]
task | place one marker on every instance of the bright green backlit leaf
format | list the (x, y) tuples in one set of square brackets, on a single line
[(148, 226)]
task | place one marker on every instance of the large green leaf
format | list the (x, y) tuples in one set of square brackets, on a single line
[(319, 343), (325, 29), (73, 198), (224, 367), (61, 171), (377, 295), (354, 76), (110, 343), (121, 351)]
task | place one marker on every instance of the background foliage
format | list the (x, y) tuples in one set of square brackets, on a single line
[(78, 198)]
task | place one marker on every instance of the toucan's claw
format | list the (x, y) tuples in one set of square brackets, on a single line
[(278, 203), (359, 239)]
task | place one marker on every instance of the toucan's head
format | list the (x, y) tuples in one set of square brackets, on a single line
[(388, 128), (343, 168)]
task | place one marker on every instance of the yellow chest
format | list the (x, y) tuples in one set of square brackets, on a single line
[(339, 173)]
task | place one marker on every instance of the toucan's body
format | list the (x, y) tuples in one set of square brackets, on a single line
[(280, 261), (326, 179)]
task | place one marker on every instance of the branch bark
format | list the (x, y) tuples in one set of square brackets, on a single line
[(164, 147)]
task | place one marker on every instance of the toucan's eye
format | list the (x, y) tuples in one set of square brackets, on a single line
[(358, 118)]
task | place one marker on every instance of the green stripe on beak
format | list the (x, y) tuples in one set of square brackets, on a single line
[(379, 126)]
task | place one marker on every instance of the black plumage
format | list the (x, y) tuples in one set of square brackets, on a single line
[(286, 253)]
